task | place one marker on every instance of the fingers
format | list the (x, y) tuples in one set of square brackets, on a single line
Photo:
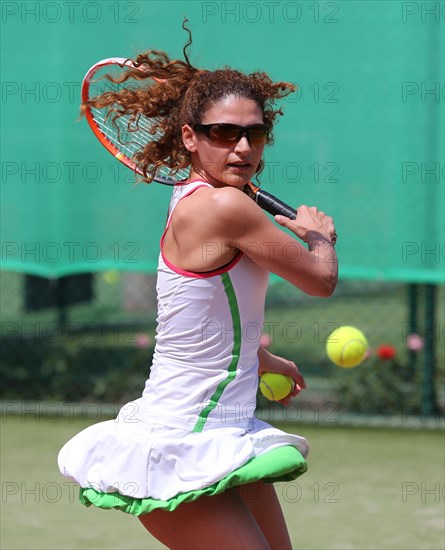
[(292, 370), (283, 221), (320, 217), (309, 219), (286, 401), (299, 383)]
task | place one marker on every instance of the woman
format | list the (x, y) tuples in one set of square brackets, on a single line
[(189, 458)]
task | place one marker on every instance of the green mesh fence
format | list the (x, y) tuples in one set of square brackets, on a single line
[(362, 139)]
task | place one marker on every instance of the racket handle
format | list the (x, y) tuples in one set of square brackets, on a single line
[(271, 204)]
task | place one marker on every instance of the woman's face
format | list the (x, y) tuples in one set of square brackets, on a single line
[(236, 163)]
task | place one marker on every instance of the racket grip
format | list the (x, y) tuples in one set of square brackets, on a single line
[(274, 206)]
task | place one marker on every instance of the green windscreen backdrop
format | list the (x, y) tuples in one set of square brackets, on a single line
[(363, 138)]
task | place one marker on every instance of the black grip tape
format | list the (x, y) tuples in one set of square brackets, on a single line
[(274, 206)]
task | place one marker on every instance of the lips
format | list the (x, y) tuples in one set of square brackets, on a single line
[(239, 165)]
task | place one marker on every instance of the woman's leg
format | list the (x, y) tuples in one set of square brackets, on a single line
[(220, 522), (262, 501)]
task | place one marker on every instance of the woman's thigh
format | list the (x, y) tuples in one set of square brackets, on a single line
[(220, 522), (262, 501)]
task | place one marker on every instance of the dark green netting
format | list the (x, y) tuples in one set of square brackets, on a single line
[(362, 139)]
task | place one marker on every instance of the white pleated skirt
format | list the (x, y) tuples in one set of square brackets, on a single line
[(137, 465)]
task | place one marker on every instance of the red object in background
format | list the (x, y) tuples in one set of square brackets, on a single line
[(386, 352)]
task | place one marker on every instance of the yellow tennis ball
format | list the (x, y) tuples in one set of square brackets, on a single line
[(346, 347), (275, 387), (111, 277)]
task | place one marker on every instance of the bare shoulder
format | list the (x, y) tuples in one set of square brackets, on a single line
[(225, 208), (233, 209), (224, 199), (221, 216)]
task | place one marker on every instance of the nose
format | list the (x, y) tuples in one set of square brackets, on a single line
[(243, 145)]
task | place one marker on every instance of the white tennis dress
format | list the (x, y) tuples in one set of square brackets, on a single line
[(193, 431)]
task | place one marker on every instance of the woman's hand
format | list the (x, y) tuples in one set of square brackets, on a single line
[(310, 225), (268, 362)]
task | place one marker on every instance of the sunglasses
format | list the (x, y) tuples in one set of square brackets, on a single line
[(227, 134)]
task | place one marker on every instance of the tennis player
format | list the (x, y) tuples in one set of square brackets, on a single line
[(188, 457)]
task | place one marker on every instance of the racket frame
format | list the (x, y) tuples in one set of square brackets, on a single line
[(265, 200)]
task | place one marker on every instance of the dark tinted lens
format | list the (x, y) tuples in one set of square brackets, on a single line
[(229, 133), (258, 135), (224, 133)]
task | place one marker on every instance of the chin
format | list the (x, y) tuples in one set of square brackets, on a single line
[(237, 180)]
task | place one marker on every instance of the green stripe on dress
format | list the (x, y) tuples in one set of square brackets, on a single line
[(278, 465), (231, 372)]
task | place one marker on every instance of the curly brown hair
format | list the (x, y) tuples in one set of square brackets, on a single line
[(176, 93)]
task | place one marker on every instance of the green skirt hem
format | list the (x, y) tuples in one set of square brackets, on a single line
[(282, 464)]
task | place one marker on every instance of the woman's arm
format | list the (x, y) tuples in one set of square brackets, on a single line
[(241, 224), (211, 225)]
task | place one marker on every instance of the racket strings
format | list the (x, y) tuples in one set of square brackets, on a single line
[(120, 132), (131, 141), (127, 133)]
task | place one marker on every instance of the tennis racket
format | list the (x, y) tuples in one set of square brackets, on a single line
[(123, 136)]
